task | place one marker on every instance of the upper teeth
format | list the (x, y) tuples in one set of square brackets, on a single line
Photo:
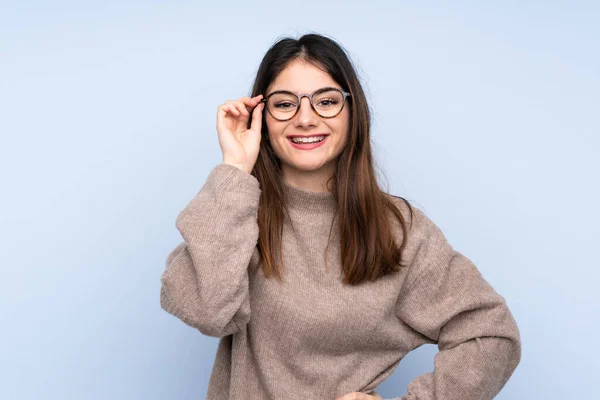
[(298, 139)]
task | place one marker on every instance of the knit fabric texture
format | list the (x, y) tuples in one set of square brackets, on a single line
[(314, 337)]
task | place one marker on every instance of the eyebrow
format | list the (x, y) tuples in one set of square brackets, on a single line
[(285, 90)]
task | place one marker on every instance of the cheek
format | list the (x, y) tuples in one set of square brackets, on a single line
[(343, 125), (275, 134), (273, 127)]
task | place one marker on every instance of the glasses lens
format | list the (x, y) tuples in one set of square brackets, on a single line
[(328, 103), (282, 105)]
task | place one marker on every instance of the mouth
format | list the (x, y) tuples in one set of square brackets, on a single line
[(300, 139), (307, 142)]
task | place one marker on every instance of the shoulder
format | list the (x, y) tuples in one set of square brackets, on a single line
[(423, 234), (417, 220)]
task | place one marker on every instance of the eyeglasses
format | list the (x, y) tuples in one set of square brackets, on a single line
[(327, 102)]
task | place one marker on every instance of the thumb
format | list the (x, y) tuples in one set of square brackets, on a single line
[(256, 124)]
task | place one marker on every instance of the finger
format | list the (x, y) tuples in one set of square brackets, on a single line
[(252, 102), (253, 99), (256, 124), (354, 396), (246, 103), (231, 109), (239, 106), (246, 100), (221, 114), (242, 108), (257, 99)]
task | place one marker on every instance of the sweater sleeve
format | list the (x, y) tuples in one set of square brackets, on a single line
[(446, 299), (205, 282)]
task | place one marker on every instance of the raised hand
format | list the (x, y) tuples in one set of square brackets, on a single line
[(240, 145)]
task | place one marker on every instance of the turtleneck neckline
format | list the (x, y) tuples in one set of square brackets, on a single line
[(309, 201)]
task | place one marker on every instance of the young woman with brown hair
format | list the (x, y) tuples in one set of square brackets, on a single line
[(316, 281)]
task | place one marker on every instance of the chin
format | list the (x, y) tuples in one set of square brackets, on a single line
[(309, 166)]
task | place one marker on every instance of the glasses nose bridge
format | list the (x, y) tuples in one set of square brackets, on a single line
[(310, 109), (301, 96)]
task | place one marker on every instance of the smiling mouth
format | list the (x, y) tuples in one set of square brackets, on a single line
[(309, 140), (307, 143), (299, 139)]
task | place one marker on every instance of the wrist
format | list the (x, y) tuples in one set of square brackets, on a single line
[(243, 167)]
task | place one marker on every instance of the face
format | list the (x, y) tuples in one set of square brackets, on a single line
[(300, 163)]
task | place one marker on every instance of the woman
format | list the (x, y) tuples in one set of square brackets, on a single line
[(316, 281)]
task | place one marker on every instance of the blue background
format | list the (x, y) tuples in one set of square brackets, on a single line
[(487, 116)]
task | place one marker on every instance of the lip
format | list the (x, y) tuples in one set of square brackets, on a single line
[(307, 136), (307, 146)]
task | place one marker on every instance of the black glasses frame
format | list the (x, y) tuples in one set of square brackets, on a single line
[(310, 97)]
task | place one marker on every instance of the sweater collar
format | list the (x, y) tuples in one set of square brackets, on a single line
[(303, 200)]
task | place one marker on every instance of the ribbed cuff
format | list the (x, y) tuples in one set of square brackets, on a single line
[(227, 176)]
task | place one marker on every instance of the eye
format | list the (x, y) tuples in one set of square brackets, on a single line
[(285, 105), (327, 102)]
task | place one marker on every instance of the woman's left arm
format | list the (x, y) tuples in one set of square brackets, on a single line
[(445, 298)]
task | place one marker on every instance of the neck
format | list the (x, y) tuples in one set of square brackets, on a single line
[(309, 202), (312, 181)]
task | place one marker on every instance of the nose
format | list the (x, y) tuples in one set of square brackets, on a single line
[(306, 116)]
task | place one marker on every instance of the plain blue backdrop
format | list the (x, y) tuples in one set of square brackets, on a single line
[(485, 115)]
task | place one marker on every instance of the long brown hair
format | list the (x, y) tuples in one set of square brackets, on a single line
[(369, 248)]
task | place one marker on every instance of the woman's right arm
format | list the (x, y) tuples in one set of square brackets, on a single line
[(205, 283)]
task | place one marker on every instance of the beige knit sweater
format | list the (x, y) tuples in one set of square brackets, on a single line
[(313, 337)]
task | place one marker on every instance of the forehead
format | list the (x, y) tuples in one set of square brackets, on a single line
[(301, 77)]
